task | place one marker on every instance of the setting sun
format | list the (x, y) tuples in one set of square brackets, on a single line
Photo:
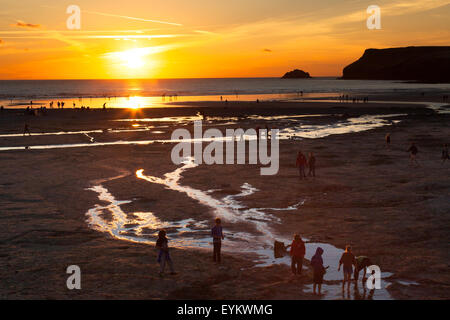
[(132, 58)]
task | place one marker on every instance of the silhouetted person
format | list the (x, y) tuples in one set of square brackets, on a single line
[(348, 260), (217, 234), (312, 164), (362, 262), (163, 256), (445, 155), (301, 163), (297, 253), (267, 132), (318, 270), (413, 154), (388, 139), (26, 129), (104, 106)]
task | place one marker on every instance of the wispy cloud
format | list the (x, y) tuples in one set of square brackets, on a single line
[(22, 24), (138, 51), (122, 16), (51, 35), (131, 18)]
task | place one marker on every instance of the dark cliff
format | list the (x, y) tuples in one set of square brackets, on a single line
[(426, 64)]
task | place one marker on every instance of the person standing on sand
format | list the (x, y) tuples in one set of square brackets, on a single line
[(348, 260), (301, 163), (413, 154), (26, 129), (445, 155), (217, 234), (297, 253), (312, 164), (319, 270), (163, 256)]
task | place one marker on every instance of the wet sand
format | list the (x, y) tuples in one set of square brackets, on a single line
[(364, 194)]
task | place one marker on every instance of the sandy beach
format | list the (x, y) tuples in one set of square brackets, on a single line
[(365, 194)]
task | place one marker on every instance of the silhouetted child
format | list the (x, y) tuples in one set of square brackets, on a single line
[(217, 234), (163, 256)]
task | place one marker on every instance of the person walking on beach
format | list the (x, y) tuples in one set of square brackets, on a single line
[(445, 155), (217, 234), (413, 154), (348, 260), (163, 256), (297, 253), (301, 163), (26, 129), (362, 262), (318, 270), (312, 164)]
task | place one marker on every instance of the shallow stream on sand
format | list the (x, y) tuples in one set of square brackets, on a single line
[(293, 128), (188, 233)]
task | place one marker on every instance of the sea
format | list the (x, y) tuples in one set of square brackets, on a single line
[(153, 92)]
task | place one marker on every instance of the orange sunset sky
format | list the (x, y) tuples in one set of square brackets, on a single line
[(204, 38)]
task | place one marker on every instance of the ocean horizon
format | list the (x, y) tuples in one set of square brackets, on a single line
[(203, 88)]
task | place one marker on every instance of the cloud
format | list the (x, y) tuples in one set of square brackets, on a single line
[(22, 24), (132, 18), (267, 50)]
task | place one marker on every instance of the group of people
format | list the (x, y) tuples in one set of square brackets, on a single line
[(346, 98), (303, 162), (162, 244), (59, 103), (170, 96), (347, 261), (351, 265), (413, 151)]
